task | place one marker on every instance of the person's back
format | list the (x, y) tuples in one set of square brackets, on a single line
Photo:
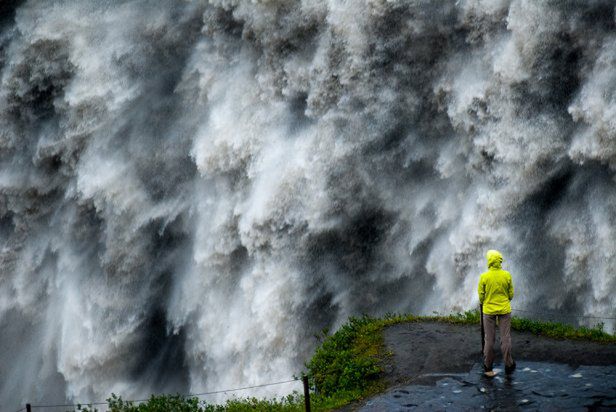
[(495, 286), (495, 291)]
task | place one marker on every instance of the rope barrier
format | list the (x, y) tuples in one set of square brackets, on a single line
[(224, 390), (73, 405), (241, 389), (562, 315), (69, 405)]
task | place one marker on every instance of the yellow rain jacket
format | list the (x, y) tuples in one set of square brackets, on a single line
[(495, 286)]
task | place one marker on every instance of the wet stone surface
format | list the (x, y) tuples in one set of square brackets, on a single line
[(533, 386)]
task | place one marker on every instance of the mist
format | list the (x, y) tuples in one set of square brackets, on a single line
[(191, 190)]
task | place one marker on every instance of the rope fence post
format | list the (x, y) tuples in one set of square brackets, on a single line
[(28, 407), (306, 393)]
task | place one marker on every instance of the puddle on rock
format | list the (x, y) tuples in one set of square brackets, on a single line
[(534, 385)]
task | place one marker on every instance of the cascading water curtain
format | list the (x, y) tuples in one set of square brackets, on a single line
[(190, 190)]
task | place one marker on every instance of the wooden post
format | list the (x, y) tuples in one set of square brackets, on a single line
[(28, 407), (306, 393), (483, 339)]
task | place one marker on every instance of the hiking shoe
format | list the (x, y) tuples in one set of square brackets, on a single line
[(509, 369)]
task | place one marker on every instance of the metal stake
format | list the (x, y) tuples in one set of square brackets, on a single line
[(306, 393)]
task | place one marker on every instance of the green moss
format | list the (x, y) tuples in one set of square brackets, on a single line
[(347, 366), (348, 361)]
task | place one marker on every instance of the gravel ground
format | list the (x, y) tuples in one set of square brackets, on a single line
[(424, 348)]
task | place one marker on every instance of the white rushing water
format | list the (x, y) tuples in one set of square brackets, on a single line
[(190, 190)]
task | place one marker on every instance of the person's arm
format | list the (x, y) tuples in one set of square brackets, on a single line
[(510, 291), (481, 289)]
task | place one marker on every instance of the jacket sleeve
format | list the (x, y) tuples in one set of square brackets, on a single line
[(510, 291), (481, 289)]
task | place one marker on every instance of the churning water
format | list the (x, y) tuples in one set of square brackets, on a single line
[(189, 190)]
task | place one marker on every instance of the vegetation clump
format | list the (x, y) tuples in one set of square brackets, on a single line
[(179, 403)]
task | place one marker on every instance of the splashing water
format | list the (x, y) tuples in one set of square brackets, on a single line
[(188, 192)]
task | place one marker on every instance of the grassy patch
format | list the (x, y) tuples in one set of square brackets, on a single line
[(562, 331), (348, 365)]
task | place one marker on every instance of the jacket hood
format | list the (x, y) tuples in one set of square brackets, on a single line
[(495, 259)]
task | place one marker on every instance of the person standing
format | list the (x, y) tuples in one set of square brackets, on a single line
[(495, 293)]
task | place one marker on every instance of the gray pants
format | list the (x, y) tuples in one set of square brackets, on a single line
[(489, 326)]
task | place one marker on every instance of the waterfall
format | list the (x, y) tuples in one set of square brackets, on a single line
[(191, 190)]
